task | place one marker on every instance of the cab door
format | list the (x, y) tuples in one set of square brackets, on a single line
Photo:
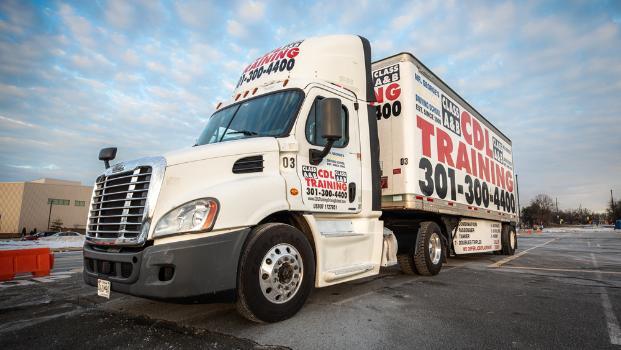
[(348, 244), (333, 185)]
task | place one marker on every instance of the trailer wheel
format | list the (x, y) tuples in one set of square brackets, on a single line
[(276, 273), (406, 262), (508, 240), (429, 252)]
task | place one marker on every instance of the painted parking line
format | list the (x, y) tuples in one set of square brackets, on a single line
[(513, 257), (614, 331), (560, 270)]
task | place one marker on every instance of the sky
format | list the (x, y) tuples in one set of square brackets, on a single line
[(145, 75)]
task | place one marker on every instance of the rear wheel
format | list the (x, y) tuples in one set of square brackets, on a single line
[(429, 253), (276, 274), (508, 240), (426, 259), (406, 262)]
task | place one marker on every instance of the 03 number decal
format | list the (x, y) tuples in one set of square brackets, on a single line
[(288, 162)]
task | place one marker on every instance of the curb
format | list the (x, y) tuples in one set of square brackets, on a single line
[(69, 249)]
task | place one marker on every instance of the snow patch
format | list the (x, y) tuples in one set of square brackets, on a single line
[(48, 242), (578, 229)]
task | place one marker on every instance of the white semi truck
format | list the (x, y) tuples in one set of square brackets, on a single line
[(321, 168)]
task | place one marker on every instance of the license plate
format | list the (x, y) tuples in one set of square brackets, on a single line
[(103, 288)]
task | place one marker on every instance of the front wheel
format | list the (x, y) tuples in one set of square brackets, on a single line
[(276, 274)]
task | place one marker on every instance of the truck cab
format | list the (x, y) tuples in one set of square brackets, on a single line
[(279, 194)]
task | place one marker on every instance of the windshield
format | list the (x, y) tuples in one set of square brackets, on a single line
[(269, 115)]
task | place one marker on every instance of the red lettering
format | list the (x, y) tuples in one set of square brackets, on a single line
[(293, 52), (326, 174), (500, 176), (273, 55), (393, 91), (265, 60), (488, 149), (427, 131), (478, 135), (254, 65), (509, 179), (465, 121), (462, 158), (473, 157), (445, 148), (282, 54), (379, 95), (483, 166)]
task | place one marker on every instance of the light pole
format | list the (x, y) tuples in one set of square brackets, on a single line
[(49, 217)]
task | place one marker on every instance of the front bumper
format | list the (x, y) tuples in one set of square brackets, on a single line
[(199, 267)]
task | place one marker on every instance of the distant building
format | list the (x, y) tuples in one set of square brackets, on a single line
[(33, 204)]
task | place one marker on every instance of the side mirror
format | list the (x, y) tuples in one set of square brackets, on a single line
[(329, 112), (107, 154), (330, 127)]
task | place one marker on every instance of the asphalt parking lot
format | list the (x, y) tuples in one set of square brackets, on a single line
[(560, 290)]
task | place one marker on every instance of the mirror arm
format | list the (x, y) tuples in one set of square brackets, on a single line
[(106, 164), (316, 156)]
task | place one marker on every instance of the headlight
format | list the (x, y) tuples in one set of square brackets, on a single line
[(195, 216)]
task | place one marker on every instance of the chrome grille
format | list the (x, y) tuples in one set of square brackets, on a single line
[(118, 206)]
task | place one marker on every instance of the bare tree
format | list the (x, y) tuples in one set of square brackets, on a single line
[(539, 211), (614, 211)]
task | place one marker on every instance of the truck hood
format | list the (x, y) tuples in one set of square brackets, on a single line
[(222, 149)]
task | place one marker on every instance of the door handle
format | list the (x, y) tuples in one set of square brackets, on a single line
[(352, 191)]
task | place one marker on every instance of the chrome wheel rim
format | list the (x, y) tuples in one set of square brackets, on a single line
[(512, 240), (435, 248), (281, 272)]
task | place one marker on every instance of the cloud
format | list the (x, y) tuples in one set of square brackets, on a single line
[(18, 16), (75, 77), (156, 67), (236, 29), (119, 13), (131, 58), (196, 13), (79, 26), (251, 11), (8, 122)]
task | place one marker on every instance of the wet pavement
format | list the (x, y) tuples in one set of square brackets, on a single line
[(560, 290)]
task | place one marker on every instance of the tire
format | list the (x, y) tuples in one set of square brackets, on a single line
[(426, 262), (276, 273), (406, 262), (508, 240)]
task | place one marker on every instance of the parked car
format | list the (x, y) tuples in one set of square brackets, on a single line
[(67, 234), (39, 235)]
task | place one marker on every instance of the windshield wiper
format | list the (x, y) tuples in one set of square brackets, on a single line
[(245, 132)]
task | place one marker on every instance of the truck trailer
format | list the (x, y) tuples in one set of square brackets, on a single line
[(321, 168)]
